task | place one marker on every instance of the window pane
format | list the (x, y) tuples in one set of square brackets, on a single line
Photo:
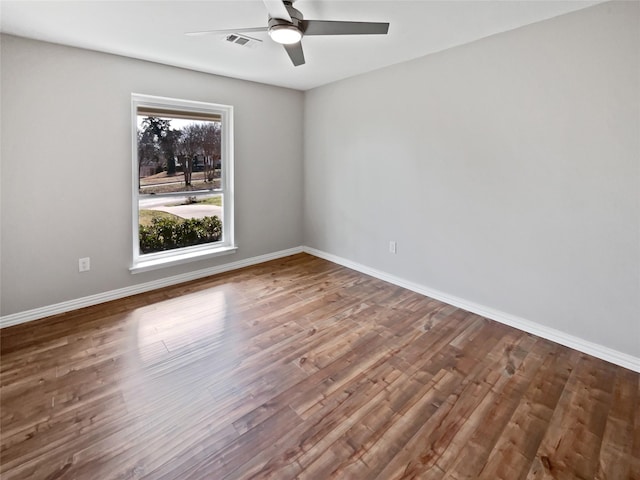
[(177, 155), (170, 222), (178, 159)]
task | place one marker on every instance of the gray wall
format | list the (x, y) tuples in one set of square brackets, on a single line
[(66, 168), (508, 171)]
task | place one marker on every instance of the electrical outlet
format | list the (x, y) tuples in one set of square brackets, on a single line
[(393, 247), (84, 264)]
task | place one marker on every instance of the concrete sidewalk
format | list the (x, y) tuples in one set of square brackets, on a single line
[(191, 211)]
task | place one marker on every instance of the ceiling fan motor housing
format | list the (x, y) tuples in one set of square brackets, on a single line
[(296, 18)]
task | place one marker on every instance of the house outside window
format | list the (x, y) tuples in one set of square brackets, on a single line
[(182, 181)]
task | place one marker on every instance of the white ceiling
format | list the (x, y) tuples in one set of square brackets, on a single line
[(154, 30)]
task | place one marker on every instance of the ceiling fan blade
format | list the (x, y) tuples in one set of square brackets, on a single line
[(277, 9), (324, 27), (233, 30), (295, 53)]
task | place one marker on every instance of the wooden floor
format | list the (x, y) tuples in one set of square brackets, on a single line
[(300, 368)]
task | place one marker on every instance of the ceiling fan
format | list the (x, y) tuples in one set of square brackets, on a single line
[(287, 26)]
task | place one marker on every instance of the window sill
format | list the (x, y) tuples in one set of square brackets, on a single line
[(180, 258)]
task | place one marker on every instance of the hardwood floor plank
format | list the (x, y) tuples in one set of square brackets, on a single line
[(617, 441), (571, 446), (635, 449), (515, 450), (422, 452), (300, 368)]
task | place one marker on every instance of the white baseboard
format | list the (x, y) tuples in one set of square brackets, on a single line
[(47, 311), (599, 351)]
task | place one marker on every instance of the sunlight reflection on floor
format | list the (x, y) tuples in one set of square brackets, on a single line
[(159, 330)]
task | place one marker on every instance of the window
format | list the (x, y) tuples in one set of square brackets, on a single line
[(182, 181)]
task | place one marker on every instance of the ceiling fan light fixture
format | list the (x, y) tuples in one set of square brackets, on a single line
[(285, 34)]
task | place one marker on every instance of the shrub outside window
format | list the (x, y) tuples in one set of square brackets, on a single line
[(182, 181)]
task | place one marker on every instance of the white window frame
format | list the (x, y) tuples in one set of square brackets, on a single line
[(151, 261)]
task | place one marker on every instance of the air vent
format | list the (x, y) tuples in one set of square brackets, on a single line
[(243, 40)]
